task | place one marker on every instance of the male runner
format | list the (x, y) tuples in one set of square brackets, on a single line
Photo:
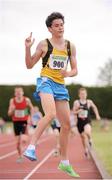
[(82, 110), (19, 107), (56, 53)]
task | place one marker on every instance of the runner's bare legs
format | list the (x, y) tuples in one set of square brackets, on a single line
[(48, 105), (63, 114)]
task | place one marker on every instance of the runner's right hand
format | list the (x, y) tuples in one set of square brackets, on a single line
[(12, 107), (98, 117), (29, 41)]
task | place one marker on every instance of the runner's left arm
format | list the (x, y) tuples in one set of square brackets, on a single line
[(95, 109), (73, 64), (11, 108)]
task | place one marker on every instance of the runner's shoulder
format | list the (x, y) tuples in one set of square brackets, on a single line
[(76, 102), (89, 102), (27, 99), (72, 45), (12, 99), (42, 44)]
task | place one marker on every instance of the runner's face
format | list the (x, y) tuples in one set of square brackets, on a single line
[(57, 28), (83, 95), (18, 92)]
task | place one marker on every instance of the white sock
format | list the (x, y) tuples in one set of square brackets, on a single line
[(31, 147), (65, 162)]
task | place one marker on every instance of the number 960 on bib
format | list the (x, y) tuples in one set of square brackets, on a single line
[(58, 62)]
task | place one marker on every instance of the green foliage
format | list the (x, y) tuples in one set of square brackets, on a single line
[(105, 73), (102, 97), (103, 144)]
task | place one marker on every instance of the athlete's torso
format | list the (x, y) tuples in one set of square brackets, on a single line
[(58, 60), (21, 110), (84, 115)]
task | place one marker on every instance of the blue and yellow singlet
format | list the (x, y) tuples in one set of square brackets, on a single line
[(57, 60)]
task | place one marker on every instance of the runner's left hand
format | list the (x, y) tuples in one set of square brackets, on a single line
[(64, 73), (98, 118)]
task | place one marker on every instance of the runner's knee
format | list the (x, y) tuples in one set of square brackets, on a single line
[(83, 135), (87, 130), (51, 115), (66, 126)]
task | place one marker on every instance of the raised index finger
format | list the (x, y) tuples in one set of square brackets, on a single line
[(29, 38), (30, 34)]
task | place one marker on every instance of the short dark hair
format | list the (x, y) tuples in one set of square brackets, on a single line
[(52, 17), (82, 89)]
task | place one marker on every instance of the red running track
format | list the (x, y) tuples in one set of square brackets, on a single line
[(46, 166)]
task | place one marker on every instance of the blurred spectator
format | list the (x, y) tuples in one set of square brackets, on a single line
[(73, 123), (35, 116), (105, 124), (2, 123)]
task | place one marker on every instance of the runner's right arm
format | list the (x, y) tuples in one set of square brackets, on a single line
[(32, 60), (76, 107), (11, 108)]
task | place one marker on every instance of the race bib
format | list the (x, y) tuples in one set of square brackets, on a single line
[(83, 114), (58, 61), (19, 113)]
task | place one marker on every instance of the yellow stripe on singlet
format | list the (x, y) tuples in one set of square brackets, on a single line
[(54, 74)]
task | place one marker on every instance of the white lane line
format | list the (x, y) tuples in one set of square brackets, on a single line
[(40, 164), (7, 144), (14, 152), (7, 155), (42, 140)]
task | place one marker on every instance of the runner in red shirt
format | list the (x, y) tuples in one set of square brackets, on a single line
[(19, 109)]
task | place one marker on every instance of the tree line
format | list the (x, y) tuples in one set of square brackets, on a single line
[(102, 97)]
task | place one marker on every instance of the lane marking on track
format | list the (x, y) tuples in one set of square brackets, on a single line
[(14, 152), (8, 154), (52, 171), (7, 144), (40, 164), (11, 143)]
